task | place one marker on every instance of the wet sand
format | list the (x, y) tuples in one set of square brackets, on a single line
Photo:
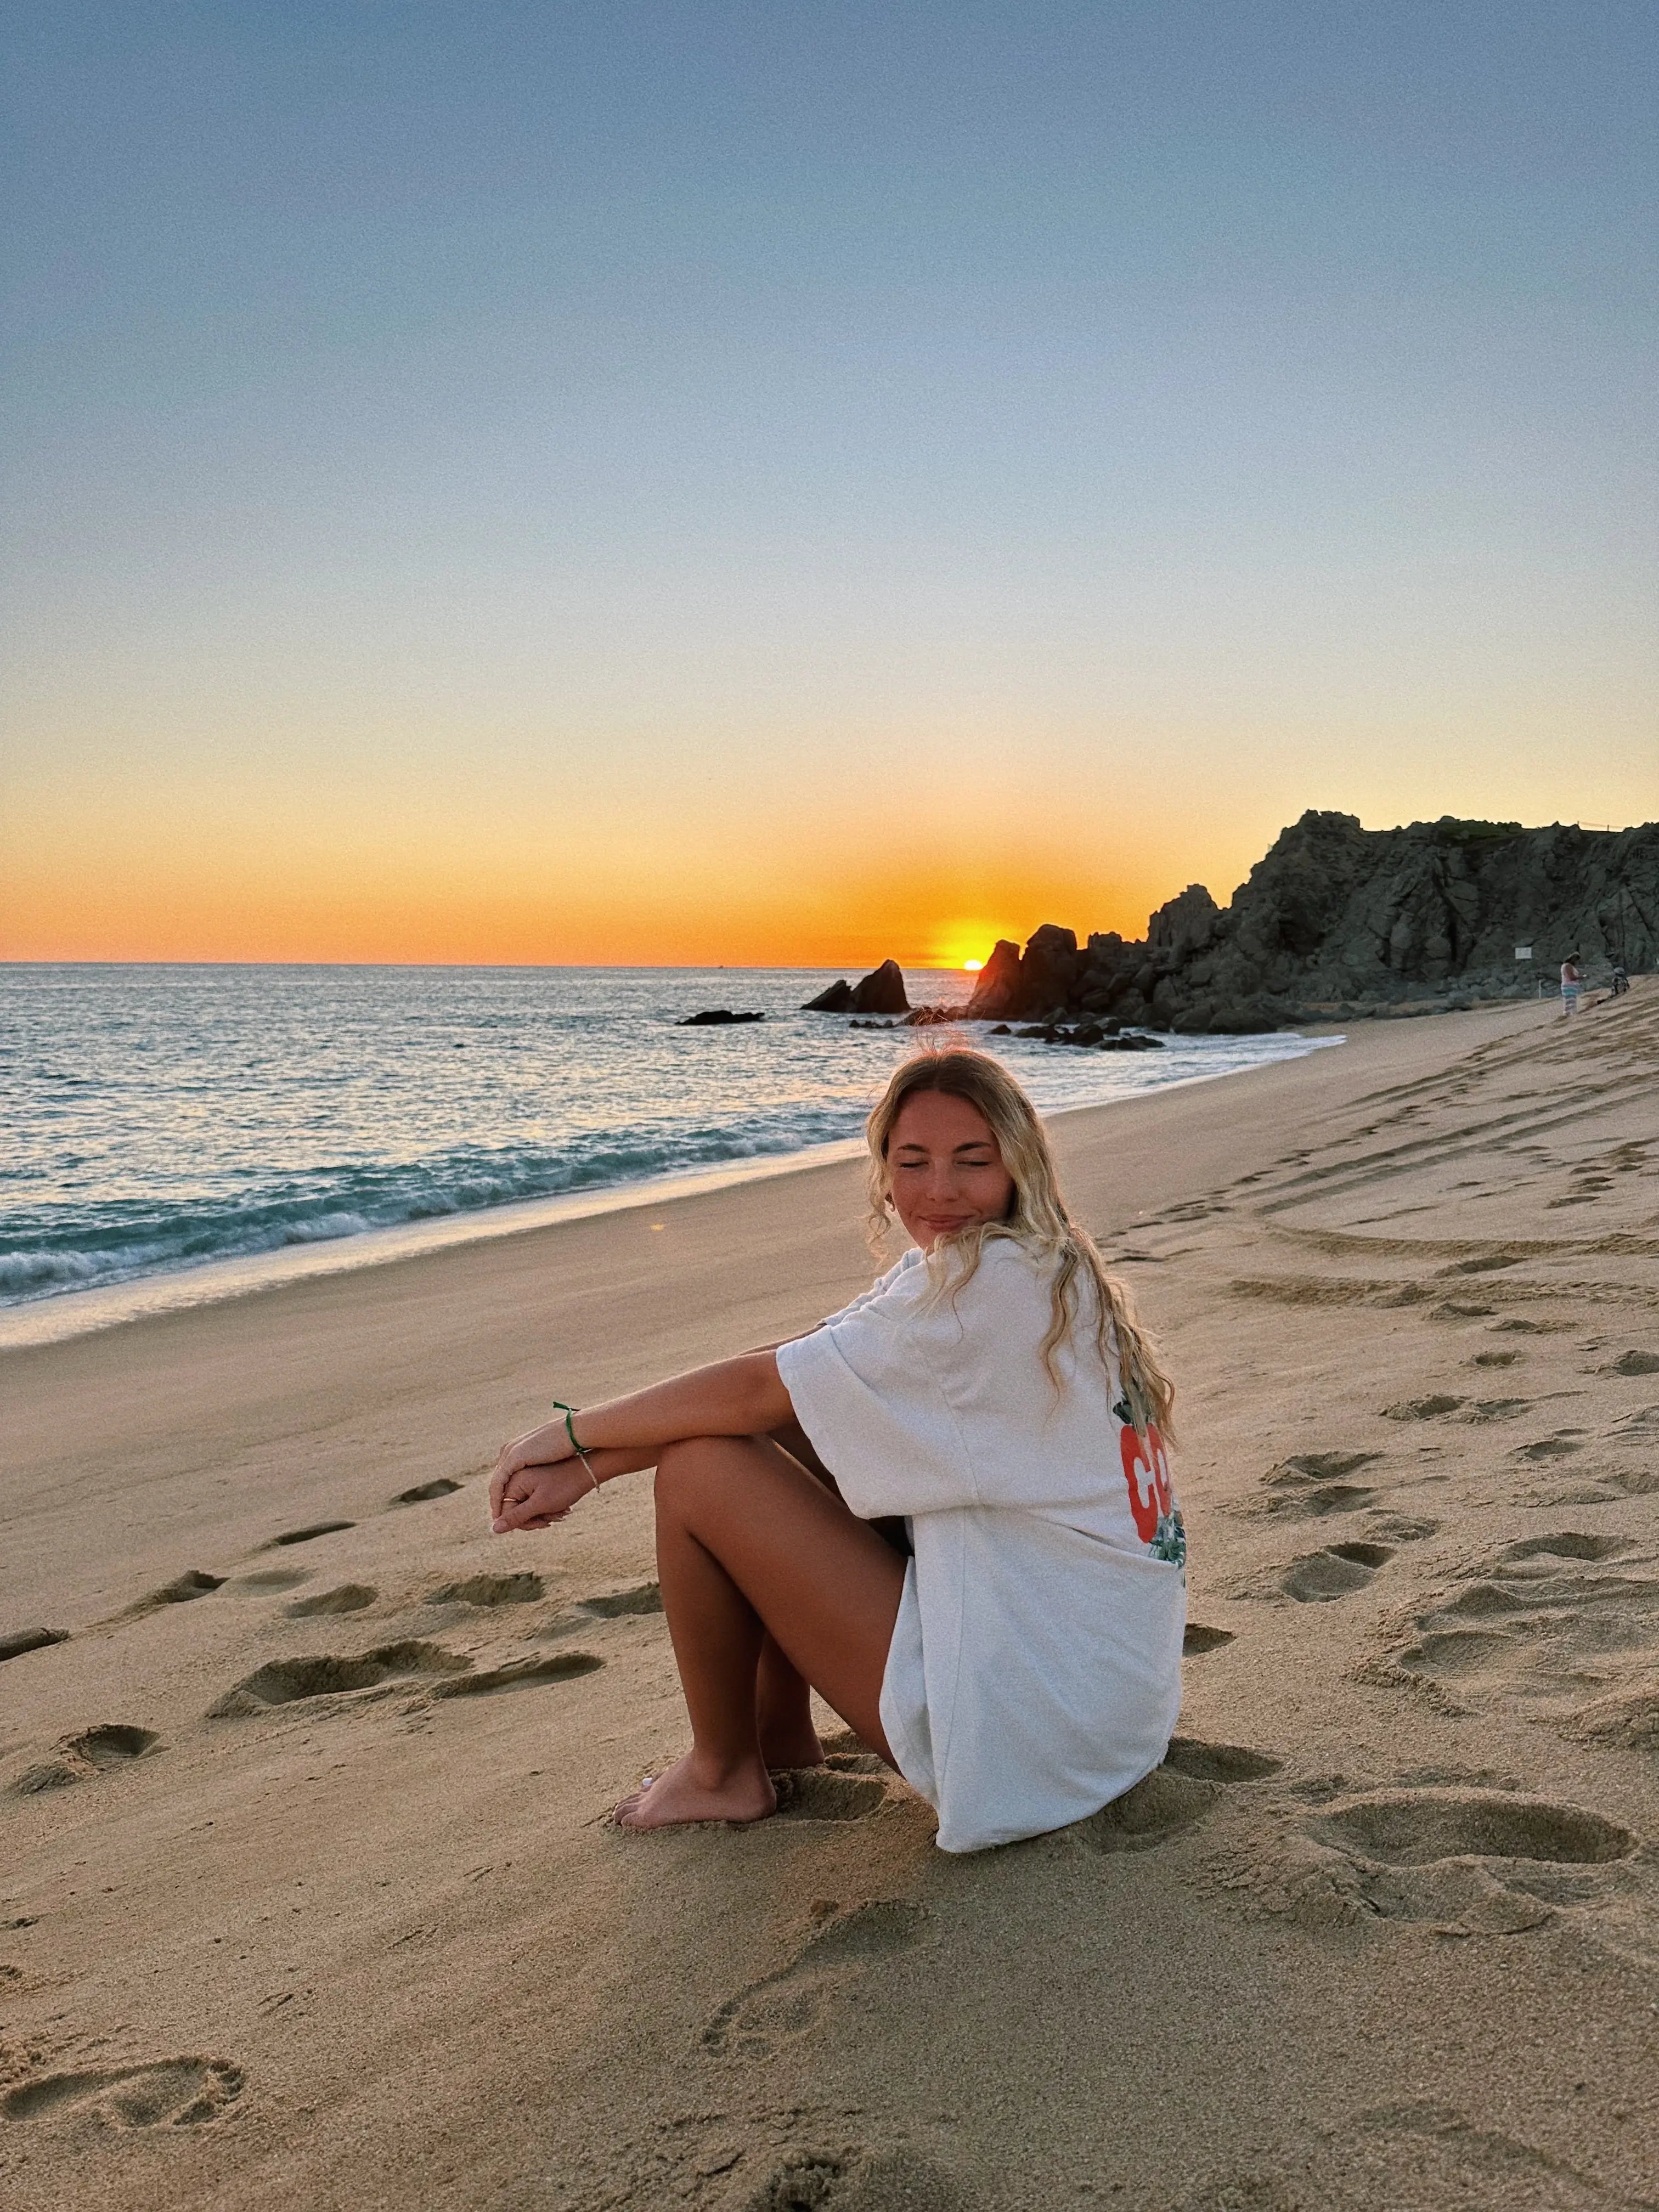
[(306, 1889)]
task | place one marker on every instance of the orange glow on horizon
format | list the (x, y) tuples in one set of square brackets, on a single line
[(211, 903)]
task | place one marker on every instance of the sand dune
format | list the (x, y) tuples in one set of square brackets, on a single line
[(306, 1889)]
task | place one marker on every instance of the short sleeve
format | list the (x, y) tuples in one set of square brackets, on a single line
[(901, 1266), (866, 1387)]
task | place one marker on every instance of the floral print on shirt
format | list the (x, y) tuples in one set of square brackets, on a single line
[(1152, 1495)]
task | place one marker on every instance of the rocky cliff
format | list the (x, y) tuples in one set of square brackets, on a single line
[(1339, 920)]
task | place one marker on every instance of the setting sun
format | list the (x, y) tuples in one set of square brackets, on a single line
[(972, 967)]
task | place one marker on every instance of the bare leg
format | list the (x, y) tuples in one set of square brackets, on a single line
[(746, 1542), (783, 1712), (783, 1699)]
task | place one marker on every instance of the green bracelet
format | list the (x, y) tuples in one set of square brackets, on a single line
[(570, 1431), (570, 1413)]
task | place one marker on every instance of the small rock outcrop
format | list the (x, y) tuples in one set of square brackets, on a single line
[(881, 992), (1338, 921), (715, 1017)]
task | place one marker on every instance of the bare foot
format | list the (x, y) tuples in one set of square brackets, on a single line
[(688, 1793)]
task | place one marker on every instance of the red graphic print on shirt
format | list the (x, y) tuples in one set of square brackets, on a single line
[(1147, 1471)]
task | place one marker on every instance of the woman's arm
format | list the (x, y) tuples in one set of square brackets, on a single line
[(538, 1477)]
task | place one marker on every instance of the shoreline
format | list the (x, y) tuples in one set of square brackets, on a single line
[(60, 1316)]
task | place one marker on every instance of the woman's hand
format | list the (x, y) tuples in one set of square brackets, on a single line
[(543, 1447), (535, 1497)]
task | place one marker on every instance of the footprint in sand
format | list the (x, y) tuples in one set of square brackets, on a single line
[(20, 1640), (1311, 1487), (308, 1535), (487, 1591), (1422, 1409), (1339, 1571), (1401, 1528), (819, 1793), (1534, 1624), (782, 2008), (98, 1750), (286, 1681), (1486, 1410), (178, 2092), (1605, 1486), (275, 1578), (1417, 2154), (854, 2179), (1199, 1639), (617, 1605), (345, 1597), (183, 1589), (1629, 1718), (519, 1675), (1473, 1861), (1566, 1544), (439, 1674), (1319, 1502), (424, 1493), (1172, 1797), (636, 1602), (1562, 1445)]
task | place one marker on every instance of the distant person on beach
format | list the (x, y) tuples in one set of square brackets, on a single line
[(1012, 1647), (1572, 976), (1621, 980)]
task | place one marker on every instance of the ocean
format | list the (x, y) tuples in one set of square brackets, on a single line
[(160, 1121)]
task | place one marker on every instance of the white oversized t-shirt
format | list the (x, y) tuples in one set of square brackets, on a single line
[(1035, 1669)]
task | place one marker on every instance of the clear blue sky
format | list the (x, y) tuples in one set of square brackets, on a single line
[(858, 469)]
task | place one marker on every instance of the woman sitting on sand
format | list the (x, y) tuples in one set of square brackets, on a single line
[(1021, 1667)]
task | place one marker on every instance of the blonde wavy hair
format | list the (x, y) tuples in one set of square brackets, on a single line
[(1037, 1219)]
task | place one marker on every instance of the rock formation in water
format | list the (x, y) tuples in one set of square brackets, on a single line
[(881, 992), (1339, 920)]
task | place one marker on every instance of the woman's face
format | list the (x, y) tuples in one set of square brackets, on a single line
[(944, 1168)]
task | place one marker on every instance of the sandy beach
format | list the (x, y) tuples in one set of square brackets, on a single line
[(308, 1892)]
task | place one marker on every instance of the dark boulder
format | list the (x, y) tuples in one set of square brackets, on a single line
[(1041, 982), (999, 992), (1048, 968), (1184, 926), (716, 1018), (882, 991)]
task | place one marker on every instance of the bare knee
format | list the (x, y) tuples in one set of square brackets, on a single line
[(684, 1467)]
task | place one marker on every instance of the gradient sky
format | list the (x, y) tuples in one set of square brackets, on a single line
[(795, 483)]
